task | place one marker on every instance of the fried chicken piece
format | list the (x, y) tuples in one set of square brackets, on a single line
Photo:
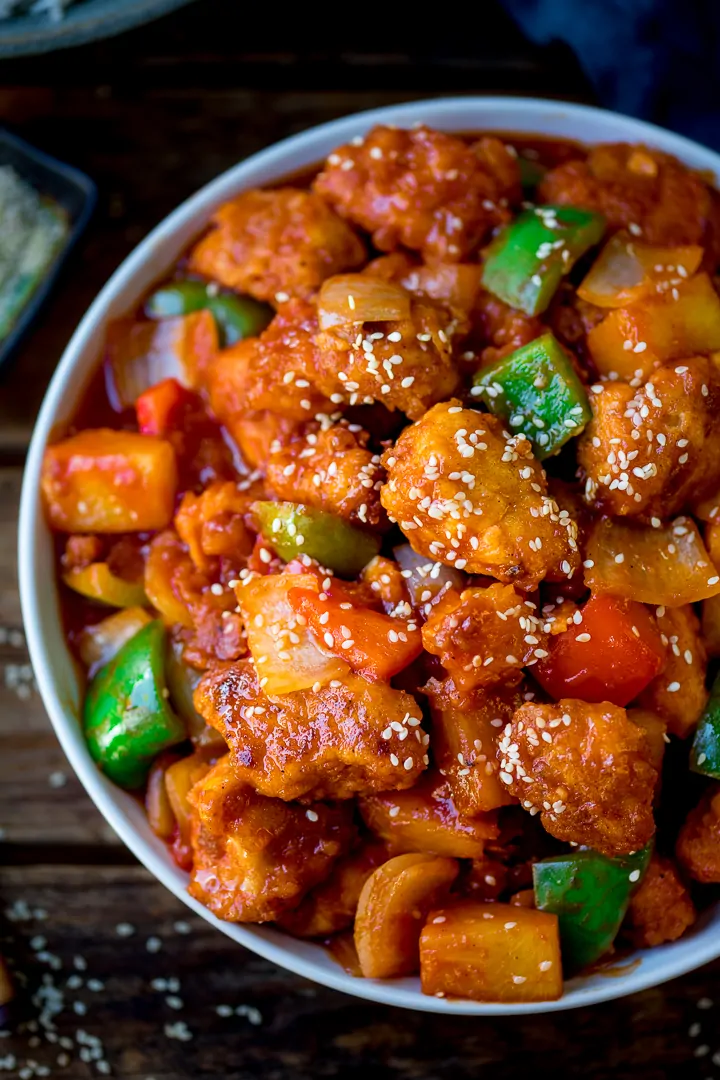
[(465, 734), (332, 904), (685, 668), (651, 450), (276, 244), (330, 469), (254, 857), (661, 908), (633, 186), (587, 769), (324, 744), (212, 524), (405, 364), (275, 371), (468, 494), (698, 845), (422, 189), (484, 636)]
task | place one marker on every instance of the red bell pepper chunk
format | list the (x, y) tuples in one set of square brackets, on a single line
[(160, 408), (611, 655), (380, 646)]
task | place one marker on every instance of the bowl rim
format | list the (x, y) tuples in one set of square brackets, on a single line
[(303, 958)]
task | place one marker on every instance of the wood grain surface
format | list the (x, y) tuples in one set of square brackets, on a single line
[(113, 975)]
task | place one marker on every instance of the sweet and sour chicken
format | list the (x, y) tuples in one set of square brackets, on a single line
[(397, 574)]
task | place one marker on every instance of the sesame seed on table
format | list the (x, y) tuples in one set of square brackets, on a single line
[(112, 975)]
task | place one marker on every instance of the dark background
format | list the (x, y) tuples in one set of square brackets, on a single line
[(151, 116)]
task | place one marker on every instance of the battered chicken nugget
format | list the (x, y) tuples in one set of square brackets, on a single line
[(349, 736), (253, 857), (468, 494), (276, 244), (587, 769), (422, 189)]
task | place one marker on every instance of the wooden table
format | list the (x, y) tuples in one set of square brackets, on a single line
[(152, 116)]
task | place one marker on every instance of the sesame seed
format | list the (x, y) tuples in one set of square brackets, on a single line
[(311, 815), (673, 687), (634, 875), (545, 965), (517, 979)]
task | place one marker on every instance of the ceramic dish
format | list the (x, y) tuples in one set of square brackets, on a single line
[(54, 668)]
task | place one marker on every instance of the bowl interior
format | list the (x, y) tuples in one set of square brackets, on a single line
[(54, 669)]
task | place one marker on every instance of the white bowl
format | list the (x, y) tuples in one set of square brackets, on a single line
[(54, 670)]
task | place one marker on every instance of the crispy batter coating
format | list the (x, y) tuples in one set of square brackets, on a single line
[(484, 636), (455, 285), (661, 908), (275, 371), (422, 189), (685, 670), (253, 857), (465, 733), (468, 494), (331, 906), (651, 449), (324, 744), (285, 241), (212, 525), (635, 186), (587, 770), (329, 469), (698, 845), (405, 364)]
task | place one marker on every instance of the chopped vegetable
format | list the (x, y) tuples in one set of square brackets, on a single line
[(705, 753), (284, 651), (98, 582), (665, 565), (106, 481), (531, 173), (657, 329), (393, 906), (491, 952), (159, 406), (590, 894), (237, 317), (373, 644), (530, 257), (180, 778), (536, 391), (610, 655), (157, 804), (292, 529), (102, 641), (182, 681), (141, 354), (425, 579), (711, 625), (627, 270), (361, 298), (127, 719)]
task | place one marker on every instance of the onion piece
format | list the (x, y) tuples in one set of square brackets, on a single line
[(99, 643), (627, 270), (668, 566), (425, 579), (286, 662), (361, 298), (141, 354), (455, 284)]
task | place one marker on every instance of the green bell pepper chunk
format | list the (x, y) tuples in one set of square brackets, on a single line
[(292, 529), (537, 391), (528, 260), (126, 718), (590, 894), (705, 752), (237, 317)]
